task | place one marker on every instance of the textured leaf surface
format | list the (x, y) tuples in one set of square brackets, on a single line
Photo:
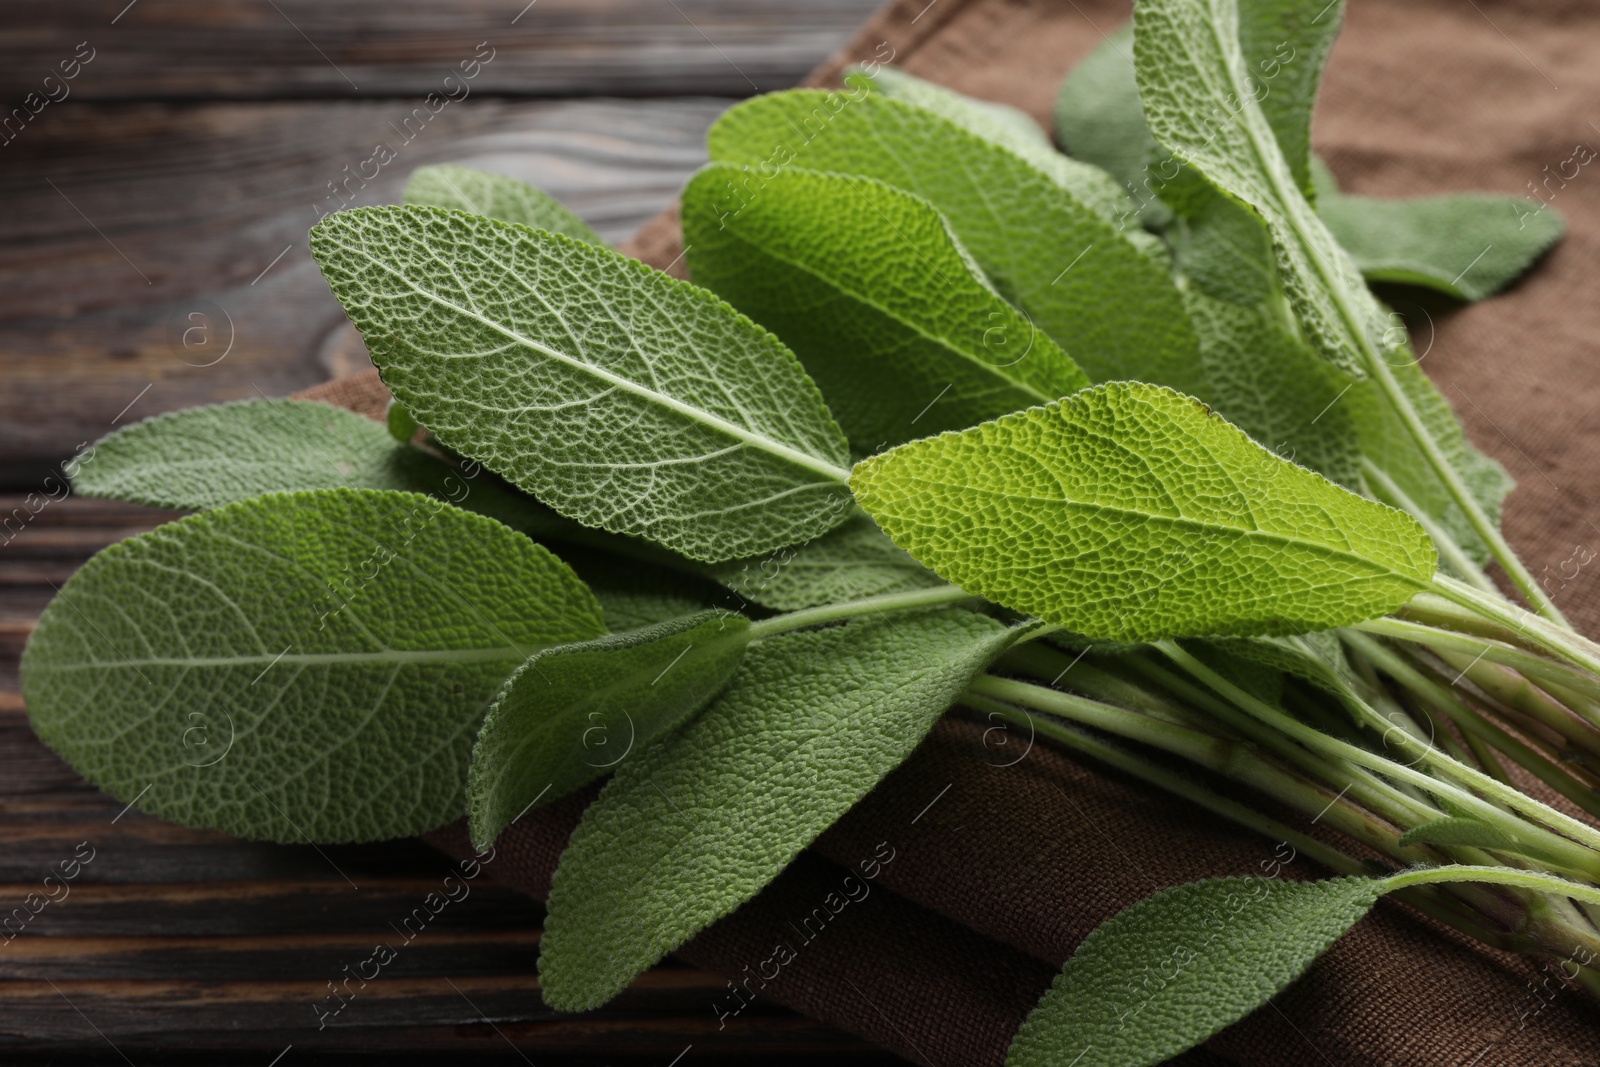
[(1387, 444), (619, 396), (206, 457), (1319, 658), (1129, 512), (1468, 245), (851, 563), (497, 196), (1099, 118), (1202, 101), (1264, 379), (1009, 128), (1113, 308), (301, 665), (698, 824), (1460, 830), (573, 713), (1173, 969), (1285, 45), (868, 286)]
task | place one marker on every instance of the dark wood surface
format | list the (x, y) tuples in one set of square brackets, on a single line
[(140, 271)]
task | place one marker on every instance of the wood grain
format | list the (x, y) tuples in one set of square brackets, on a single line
[(356, 49), (177, 945), (142, 242)]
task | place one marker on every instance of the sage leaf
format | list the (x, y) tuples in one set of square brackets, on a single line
[(634, 594), (868, 286), (853, 562), (1285, 45), (1008, 128), (479, 192), (1461, 830), (574, 712), (297, 666), (619, 396), (1099, 118), (1114, 308), (690, 829), (1172, 970), (1204, 104), (1129, 512), (1466, 245), (218, 454), (1264, 379), (1388, 446)]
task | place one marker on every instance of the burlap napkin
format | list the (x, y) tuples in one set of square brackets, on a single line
[(998, 869)]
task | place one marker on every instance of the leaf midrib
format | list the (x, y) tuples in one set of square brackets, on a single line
[(715, 422), (1199, 525), (941, 342)]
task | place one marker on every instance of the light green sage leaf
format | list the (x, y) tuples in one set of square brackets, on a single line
[(852, 562), (574, 712), (1167, 973), (619, 396), (1130, 512), (297, 666), (1467, 245), (690, 829), (1389, 446), (868, 286), (1007, 127), (1114, 308), (1201, 99), (218, 454), (478, 192)]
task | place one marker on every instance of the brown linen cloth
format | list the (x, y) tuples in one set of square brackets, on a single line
[(1000, 870)]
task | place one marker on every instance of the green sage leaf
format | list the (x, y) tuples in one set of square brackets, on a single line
[(619, 396), (1205, 102), (298, 666), (851, 563), (1114, 308), (690, 829), (1389, 446), (868, 286), (1467, 245), (479, 192), (1460, 830), (1172, 970), (573, 713), (206, 457), (1008, 128), (1099, 118), (1129, 512)]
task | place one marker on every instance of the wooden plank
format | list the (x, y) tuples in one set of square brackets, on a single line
[(354, 49), (153, 257)]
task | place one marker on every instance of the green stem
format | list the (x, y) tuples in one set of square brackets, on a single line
[(1493, 651), (1467, 776), (1563, 644), (1176, 784), (1233, 759), (850, 609), (1474, 725), (1511, 876)]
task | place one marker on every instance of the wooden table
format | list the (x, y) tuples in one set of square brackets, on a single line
[(153, 256)]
